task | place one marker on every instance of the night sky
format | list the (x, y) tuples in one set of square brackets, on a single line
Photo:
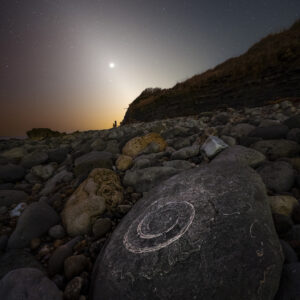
[(77, 64)]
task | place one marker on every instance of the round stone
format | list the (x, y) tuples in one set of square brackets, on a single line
[(101, 227), (57, 232), (188, 233)]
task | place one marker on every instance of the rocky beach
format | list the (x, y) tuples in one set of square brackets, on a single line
[(197, 207)]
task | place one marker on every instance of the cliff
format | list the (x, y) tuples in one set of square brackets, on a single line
[(269, 70)]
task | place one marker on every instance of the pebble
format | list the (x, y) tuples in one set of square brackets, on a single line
[(73, 289), (101, 227), (57, 232), (74, 265)]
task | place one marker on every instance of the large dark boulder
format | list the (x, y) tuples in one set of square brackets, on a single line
[(206, 233)]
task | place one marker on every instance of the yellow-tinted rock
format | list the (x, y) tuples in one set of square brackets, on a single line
[(100, 191), (282, 204), (136, 145), (124, 162)]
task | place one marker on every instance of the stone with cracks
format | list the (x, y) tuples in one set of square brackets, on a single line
[(206, 233), (100, 191)]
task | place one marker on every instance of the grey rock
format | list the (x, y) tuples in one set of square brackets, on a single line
[(112, 146), (9, 197), (62, 176), (186, 152), (95, 159), (57, 232), (43, 172), (58, 155), (179, 143), (101, 227), (178, 164), (32, 179), (74, 265), (124, 208), (115, 134), (23, 186), (278, 176), (294, 135), (270, 132), (145, 179), (141, 163), (171, 245), (286, 104), (152, 156), (15, 259), (14, 154), (37, 218), (73, 288), (293, 122), (229, 140), (212, 146), (242, 155), (242, 129), (248, 140), (98, 144), (28, 284), (268, 122), (221, 118), (11, 173), (56, 261), (34, 158), (277, 148), (289, 288), (176, 131)]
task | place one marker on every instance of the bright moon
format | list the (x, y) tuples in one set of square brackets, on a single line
[(112, 65)]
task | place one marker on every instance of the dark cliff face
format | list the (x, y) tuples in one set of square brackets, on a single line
[(269, 70)]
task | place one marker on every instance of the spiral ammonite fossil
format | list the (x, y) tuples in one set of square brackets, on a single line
[(161, 225)]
